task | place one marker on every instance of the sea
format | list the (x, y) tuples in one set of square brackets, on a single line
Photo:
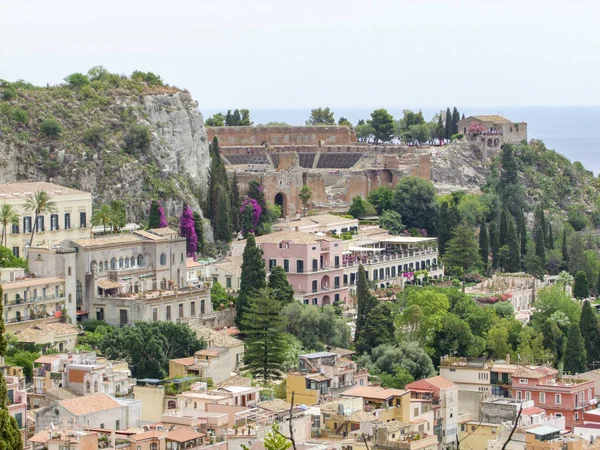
[(570, 130)]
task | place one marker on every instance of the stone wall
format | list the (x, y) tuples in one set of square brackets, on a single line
[(353, 148), (232, 136)]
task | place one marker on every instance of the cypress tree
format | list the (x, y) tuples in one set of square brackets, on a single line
[(540, 247), (581, 286), (444, 232), (598, 285), (154, 216), (540, 224), (217, 176), (253, 276), (575, 354), (223, 217), (565, 249), (281, 287), (441, 129), (590, 331), (199, 231), (228, 119), (266, 343), (10, 436), (514, 247), (463, 250), (484, 243), (235, 204), (503, 227), (523, 233), (364, 303), (550, 238), (378, 329), (448, 124), (455, 119), (494, 243)]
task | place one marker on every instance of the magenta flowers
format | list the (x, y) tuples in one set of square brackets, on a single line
[(188, 231)]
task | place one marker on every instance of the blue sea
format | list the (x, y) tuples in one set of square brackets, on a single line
[(567, 129)]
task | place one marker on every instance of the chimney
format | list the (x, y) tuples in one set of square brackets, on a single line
[(508, 358)]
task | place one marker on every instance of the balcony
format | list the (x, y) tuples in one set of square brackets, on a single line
[(39, 299)]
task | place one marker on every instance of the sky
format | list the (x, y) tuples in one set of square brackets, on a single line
[(308, 53)]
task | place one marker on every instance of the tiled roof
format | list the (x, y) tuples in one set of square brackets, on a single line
[(438, 382), (37, 281), (37, 332), (108, 240), (376, 392), (535, 372), (183, 435), (231, 264), (532, 411), (184, 361), (154, 434), (236, 380), (296, 237), (24, 189), (493, 118), (150, 236), (215, 338), (47, 359), (276, 405), (89, 404), (166, 231)]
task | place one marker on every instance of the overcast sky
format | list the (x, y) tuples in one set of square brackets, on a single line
[(306, 53)]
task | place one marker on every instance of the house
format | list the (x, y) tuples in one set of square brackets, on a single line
[(52, 336), (227, 272), (569, 396), (59, 437), (444, 397), (493, 130), (307, 389), (32, 300), (17, 401), (313, 264), (478, 374), (216, 363), (151, 393), (47, 375), (549, 438), (224, 353), (475, 435), (319, 223), (342, 371), (199, 397), (68, 221), (193, 269), (378, 397), (94, 411)]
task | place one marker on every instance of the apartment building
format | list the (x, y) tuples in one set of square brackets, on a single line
[(478, 374), (59, 336), (569, 396), (343, 372), (69, 221), (17, 401)]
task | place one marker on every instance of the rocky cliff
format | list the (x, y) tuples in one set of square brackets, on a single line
[(117, 137)]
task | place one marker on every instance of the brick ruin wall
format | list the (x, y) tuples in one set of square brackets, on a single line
[(258, 136), (352, 148)]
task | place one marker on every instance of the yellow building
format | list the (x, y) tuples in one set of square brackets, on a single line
[(378, 397), (308, 389), (549, 438), (69, 221), (475, 435)]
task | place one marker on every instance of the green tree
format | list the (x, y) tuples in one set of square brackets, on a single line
[(235, 204), (266, 344), (409, 119), (408, 355), (316, 327), (219, 295), (391, 221), (455, 120), (378, 329), (581, 288), (554, 339), (440, 129), (523, 233), (77, 80), (463, 250), (539, 226), (415, 201), (199, 228), (365, 301), (364, 131), (444, 228), (577, 218), (154, 215), (551, 300), (382, 198), (216, 120), (576, 256), (424, 312), (398, 380), (565, 250), (449, 126), (321, 116), (20, 115), (274, 440), (514, 248), (360, 207), (102, 216), (8, 216), (282, 289), (223, 229), (39, 203), (533, 264), (305, 195), (137, 139), (484, 243), (118, 215), (455, 338), (550, 238), (148, 346), (504, 310), (10, 436), (575, 354), (590, 331), (383, 125), (540, 245), (51, 127), (497, 341), (503, 236), (253, 276)]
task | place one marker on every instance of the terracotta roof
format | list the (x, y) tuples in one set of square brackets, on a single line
[(361, 416), (183, 435), (166, 231), (184, 361), (236, 380), (535, 372), (532, 411), (89, 404), (191, 264), (438, 382), (154, 434), (212, 351), (492, 118), (276, 405), (296, 237), (108, 284), (24, 189), (376, 392), (108, 240), (47, 359), (37, 281), (318, 377), (215, 338), (36, 332)]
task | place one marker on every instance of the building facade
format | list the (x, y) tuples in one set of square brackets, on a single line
[(69, 221), (494, 130)]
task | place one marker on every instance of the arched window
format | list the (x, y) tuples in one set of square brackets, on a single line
[(118, 388), (163, 283), (93, 267), (87, 387), (126, 262), (101, 267), (163, 259), (140, 260), (120, 263), (113, 264), (105, 265), (69, 271), (132, 261), (70, 298), (95, 387), (171, 404)]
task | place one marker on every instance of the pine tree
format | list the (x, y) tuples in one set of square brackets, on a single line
[(565, 249), (484, 243), (228, 119), (550, 238), (217, 176), (494, 244), (448, 124), (581, 287), (378, 329), (503, 227), (463, 250), (441, 129), (266, 343), (539, 223), (223, 217), (281, 287), (235, 204), (514, 247), (10, 436), (590, 331), (253, 276), (364, 303), (523, 232), (188, 230), (540, 246), (575, 354), (444, 231), (455, 119), (199, 231), (154, 216)]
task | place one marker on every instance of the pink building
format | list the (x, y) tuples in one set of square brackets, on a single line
[(567, 397), (313, 264), (17, 401)]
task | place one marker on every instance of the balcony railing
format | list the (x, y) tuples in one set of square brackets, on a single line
[(37, 299)]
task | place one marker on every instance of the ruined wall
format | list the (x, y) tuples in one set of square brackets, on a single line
[(353, 148), (232, 136)]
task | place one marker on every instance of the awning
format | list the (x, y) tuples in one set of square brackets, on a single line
[(365, 249), (108, 284)]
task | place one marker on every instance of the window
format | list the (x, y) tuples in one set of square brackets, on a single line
[(82, 220), (168, 315), (154, 446), (192, 308), (315, 301), (67, 221), (113, 264), (53, 222), (123, 320), (101, 267), (126, 263), (15, 251), (15, 228), (336, 283), (40, 223), (228, 282), (337, 262), (140, 260), (542, 397), (27, 224), (519, 395), (181, 310), (337, 298), (286, 265), (132, 261), (314, 285), (375, 274), (299, 266), (69, 271), (315, 265), (523, 381), (558, 415), (120, 263), (272, 263), (102, 425), (202, 307), (163, 259), (154, 314), (93, 267), (306, 301), (557, 399), (181, 260), (118, 425), (527, 396)]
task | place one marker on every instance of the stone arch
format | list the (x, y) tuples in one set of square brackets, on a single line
[(387, 177), (325, 282), (489, 142), (326, 300), (281, 200), (496, 142)]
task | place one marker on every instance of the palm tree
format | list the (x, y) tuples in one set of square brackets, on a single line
[(39, 204), (8, 216), (102, 216), (564, 278)]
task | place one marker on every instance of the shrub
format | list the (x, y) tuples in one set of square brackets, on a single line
[(94, 135), (9, 93), (77, 80), (137, 139), (149, 78), (457, 136), (51, 127), (20, 115)]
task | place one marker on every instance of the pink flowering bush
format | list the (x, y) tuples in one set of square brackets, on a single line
[(476, 128), (188, 230), (250, 213)]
